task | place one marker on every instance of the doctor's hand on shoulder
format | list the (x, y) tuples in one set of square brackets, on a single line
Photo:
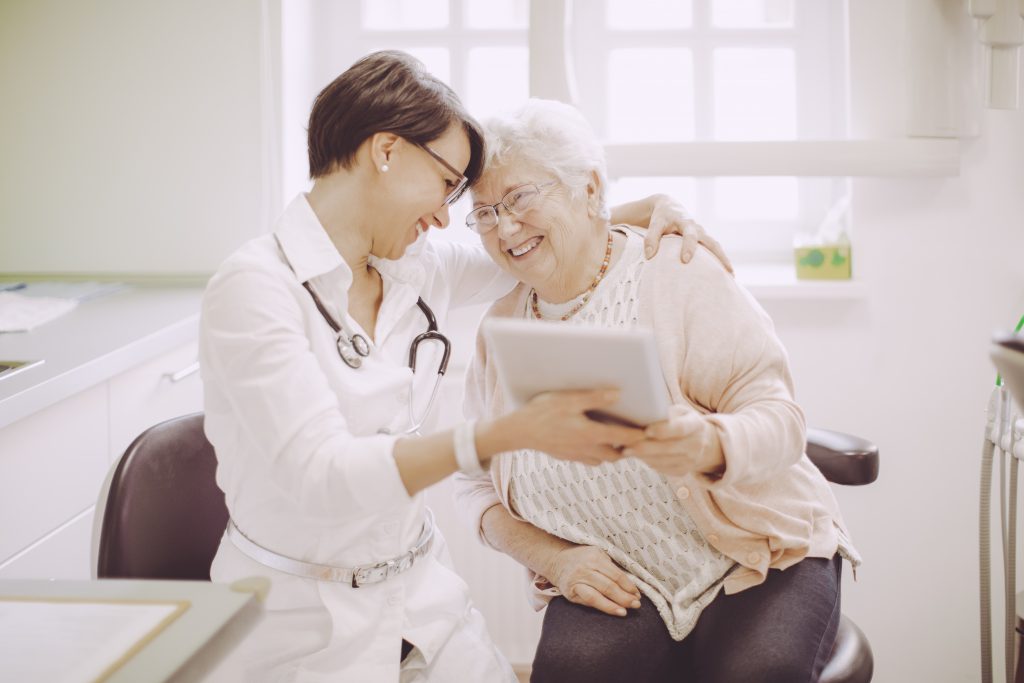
[(663, 215)]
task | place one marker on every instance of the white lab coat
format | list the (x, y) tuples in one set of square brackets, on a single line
[(305, 472)]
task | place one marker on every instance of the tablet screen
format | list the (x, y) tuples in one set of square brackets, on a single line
[(532, 357)]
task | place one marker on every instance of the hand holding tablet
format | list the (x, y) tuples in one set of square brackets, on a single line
[(533, 357)]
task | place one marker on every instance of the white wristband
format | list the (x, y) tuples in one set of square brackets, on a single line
[(465, 448)]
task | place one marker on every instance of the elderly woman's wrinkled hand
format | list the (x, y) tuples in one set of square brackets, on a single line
[(557, 424), (681, 445), (671, 217), (587, 576)]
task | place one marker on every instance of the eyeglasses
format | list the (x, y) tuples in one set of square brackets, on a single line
[(483, 219), (460, 185)]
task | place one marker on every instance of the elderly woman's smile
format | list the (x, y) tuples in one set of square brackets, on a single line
[(525, 248), (546, 233)]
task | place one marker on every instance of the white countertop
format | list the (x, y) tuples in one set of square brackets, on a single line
[(99, 339)]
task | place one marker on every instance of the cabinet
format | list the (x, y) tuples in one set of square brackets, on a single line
[(53, 463), (157, 390)]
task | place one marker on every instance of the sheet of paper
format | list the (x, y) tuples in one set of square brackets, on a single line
[(71, 641), (20, 313), (79, 291)]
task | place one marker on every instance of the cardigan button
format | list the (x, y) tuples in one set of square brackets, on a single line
[(713, 538), (754, 558), (683, 493)]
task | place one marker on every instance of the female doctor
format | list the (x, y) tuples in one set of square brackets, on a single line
[(321, 353)]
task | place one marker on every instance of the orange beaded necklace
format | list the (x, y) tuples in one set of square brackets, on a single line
[(586, 295)]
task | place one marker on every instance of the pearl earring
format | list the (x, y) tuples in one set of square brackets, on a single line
[(384, 168)]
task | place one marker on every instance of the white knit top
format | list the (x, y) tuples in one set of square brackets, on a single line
[(625, 508)]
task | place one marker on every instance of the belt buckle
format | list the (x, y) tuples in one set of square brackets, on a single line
[(371, 574), (382, 571)]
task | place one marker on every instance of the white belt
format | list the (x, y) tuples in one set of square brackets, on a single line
[(356, 576)]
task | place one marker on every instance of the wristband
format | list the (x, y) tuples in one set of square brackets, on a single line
[(464, 438)]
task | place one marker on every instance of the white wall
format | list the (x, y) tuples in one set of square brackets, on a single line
[(131, 134), (943, 260), (907, 367)]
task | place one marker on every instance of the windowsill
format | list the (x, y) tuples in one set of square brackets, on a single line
[(896, 158), (777, 282)]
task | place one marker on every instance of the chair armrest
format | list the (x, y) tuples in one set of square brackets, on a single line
[(843, 458)]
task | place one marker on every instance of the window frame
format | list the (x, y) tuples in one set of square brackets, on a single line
[(550, 27)]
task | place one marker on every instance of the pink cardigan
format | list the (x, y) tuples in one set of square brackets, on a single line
[(720, 357)]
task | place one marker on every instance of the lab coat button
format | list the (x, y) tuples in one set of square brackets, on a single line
[(683, 493), (402, 398), (394, 600), (754, 558)]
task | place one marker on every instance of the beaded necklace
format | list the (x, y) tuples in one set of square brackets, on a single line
[(586, 295)]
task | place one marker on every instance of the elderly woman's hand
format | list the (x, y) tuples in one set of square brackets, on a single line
[(681, 445), (587, 576), (556, 423), (671, 217)]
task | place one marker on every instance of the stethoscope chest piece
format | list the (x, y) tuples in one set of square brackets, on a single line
[(353, 349)]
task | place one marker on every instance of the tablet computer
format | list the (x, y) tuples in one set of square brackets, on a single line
[(532, 357)]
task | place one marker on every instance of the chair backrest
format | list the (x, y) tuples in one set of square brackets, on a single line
[(164, 515)]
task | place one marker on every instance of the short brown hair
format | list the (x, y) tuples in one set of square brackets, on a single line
[(385, 92)]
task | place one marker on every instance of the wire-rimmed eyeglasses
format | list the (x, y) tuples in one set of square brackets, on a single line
[(460, 184), (483, 219)]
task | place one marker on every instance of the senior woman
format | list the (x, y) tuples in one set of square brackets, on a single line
[(711, 550)]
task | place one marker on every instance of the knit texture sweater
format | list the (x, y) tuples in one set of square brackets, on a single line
[(721, 360)]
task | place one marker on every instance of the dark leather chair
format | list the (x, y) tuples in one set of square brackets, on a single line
[(163, 514), (849, 460)]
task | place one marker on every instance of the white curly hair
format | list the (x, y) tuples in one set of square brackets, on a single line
[(552, 135)]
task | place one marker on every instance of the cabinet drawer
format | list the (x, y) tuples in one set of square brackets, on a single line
[(64, 554), (149, 393), (52, 465)]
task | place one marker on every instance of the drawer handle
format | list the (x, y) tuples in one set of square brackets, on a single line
[(186, 371)]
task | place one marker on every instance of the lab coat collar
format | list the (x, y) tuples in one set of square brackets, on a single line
[(306, 244), (311, 253), (404, 279), (407, 270)]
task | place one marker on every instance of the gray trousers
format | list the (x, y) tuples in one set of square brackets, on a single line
[(781, 631)]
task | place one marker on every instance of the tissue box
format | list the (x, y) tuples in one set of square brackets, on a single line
[(825, 262)]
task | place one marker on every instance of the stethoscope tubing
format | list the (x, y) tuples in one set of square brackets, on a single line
[(352, 348)]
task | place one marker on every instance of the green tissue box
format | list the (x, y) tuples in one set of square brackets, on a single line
[(823, 263)]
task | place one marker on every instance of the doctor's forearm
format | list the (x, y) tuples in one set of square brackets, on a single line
[(426, 460), (636, 213)]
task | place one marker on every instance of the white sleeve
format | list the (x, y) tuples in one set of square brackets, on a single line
[(473, 276), (254, 350), (475, 494)]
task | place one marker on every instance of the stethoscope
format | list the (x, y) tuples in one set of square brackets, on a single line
[(353, 348)]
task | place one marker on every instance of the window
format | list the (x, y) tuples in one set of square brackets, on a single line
[(654, 77)]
